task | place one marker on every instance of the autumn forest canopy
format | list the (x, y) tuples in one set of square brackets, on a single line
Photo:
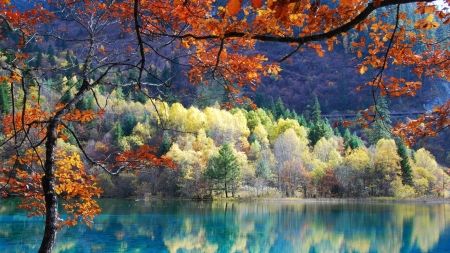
[(203, 98)]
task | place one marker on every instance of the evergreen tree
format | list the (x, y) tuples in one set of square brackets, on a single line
[(119, 93), (141, 97), (165, 144), (294, 114), (273, 108), (102, 89), (5, 99), (347, 135), (354, 142), (407, 178), (223, 169), (287, 114), (279, 109), (252, 138), (129, 122), (260, 100), (380, 128), (302, 121), (328, 129), (118, 133), (262, 169), (319, 130), (66, 97), (337, 132), (87, 103), (39, 59), (316, 114)]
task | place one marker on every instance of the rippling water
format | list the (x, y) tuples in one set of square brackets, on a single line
[(176, 226)]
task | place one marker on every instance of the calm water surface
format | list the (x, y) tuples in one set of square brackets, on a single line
[(170, 226)]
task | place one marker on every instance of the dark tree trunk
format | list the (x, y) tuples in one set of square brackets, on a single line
[(51, 215), (48, 186), (226, 190)]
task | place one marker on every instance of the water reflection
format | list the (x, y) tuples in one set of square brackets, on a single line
[(127, 226)]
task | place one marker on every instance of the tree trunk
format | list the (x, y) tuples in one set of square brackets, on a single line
[(48, 186), (226, 191), (51, 214)]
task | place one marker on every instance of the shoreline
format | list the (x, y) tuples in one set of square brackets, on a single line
[(434, 200)]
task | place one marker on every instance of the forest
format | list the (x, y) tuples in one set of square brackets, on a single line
[(267, 152), (188, 99)]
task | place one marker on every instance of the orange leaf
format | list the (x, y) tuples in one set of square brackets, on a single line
[(257, 3), (100, 113), (63, 136), (233, 7)]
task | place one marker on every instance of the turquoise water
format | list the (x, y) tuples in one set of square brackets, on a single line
[(171, 226)]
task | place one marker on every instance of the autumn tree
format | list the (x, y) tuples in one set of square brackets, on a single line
[(386, 165), (287, 150), (355, 174), (34, 127)]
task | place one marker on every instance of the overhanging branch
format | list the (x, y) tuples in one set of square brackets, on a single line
[(305, 39)]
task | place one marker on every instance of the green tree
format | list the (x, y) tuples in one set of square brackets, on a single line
[(5, 99), (355, 142), (129, 122), (319, 130), (165, 144), (87, 103), (223, 169), (316, 114), (347, 135), (352, 140), (302, 121), (118, 133), (260, 100), (337, 132), (39, 59), (380, 128), (279, 109), (407, 177), (262, 169)]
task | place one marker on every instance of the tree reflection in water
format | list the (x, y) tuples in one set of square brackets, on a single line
[(165, 226)]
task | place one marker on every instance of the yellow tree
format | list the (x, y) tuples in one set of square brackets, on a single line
[(386, 166), (428, 177), (287, 150), (355, 173)]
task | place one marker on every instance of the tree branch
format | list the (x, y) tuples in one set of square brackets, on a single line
[(305, 39)]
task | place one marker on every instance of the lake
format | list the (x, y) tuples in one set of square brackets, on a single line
[(183, 226)]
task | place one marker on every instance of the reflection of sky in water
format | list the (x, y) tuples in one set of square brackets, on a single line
[(127, 226)]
